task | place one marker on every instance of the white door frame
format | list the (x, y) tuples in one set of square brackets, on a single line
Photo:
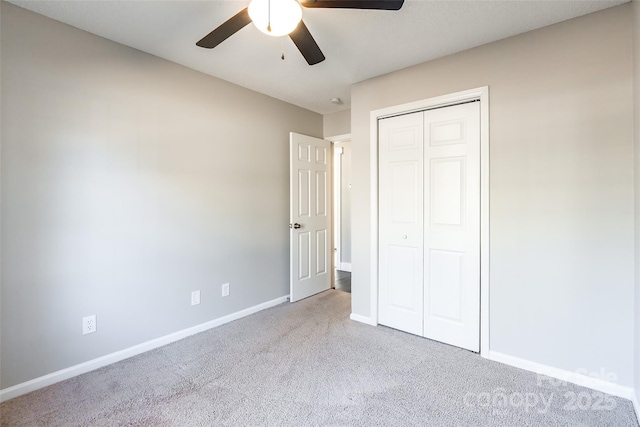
[(337, 206), (336, 223), (482, 94)]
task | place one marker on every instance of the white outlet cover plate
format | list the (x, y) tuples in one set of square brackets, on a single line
[(225, 289), (89, 324), (195, 297)]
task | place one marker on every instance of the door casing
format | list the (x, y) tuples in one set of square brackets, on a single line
[(335, 222), (481, 94)]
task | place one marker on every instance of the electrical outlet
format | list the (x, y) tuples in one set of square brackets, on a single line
[(195, 297), (89, 325), (225, 289)]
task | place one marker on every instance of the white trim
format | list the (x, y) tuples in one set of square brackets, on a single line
[(485, 219), (339, 138), (481, 93), (337, 205), (363, 319), (337, 222), (73, 371), (568, 376), (345, 266), (373, 167)]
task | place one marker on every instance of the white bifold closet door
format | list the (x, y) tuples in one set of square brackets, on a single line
[(429, 224)]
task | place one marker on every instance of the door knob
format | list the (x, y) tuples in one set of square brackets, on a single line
[(296, 226)]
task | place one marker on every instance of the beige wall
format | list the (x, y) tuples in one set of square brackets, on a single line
[(337, 123), (561, 186), (128, 182)]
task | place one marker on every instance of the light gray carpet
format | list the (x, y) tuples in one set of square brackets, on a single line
[(308, 364)]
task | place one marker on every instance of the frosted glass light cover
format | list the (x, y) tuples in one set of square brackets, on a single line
[(285, 16)]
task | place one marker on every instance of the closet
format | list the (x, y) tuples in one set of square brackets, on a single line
[(429, 224)]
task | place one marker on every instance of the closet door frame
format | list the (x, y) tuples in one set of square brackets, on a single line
[(481, 94)]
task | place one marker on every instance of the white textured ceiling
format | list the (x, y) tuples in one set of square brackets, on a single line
[(358, 44)]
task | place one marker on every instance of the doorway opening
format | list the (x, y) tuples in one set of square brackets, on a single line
[(342, 212), (314, 266)]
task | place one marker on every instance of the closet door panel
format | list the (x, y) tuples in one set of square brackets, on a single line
[(401, 216), (452, 225)]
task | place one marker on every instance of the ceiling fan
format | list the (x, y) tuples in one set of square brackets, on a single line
[(284, 17)]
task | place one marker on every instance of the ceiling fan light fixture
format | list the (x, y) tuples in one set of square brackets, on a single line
[(275, 17)]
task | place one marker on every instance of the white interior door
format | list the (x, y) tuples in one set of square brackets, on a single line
[(452, 225), (310, 218), (401, 223)]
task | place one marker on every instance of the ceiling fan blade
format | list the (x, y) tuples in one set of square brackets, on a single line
[(306, 44), (226, 30), (354, 4)]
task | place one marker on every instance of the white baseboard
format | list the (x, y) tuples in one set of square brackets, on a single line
[(73, 371), (345, 266), (568, 376), (363, 319)]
